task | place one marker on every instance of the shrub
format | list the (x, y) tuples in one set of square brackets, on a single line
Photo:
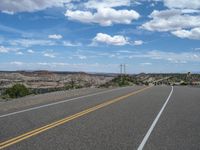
[(17, 90)]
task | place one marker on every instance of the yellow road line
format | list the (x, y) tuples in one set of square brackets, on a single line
[(64, 120)]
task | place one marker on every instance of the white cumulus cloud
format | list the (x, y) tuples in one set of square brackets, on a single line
[(190, 4), (49, 53), (103, 16), (30, 51), (190, 34), (19, 53), (182, 19), (170, 20), (138, 42), (55, 36), (71, 44), (4, 49), (106, 3), (14, 6), (111, 40), (183, 23)]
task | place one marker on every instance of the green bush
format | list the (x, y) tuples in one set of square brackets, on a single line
[(120, 81), (17, 90)]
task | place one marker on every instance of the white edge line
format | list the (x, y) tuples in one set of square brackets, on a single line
[(55, 103), (142, 144)]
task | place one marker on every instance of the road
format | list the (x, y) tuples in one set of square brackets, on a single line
[(149, 118)]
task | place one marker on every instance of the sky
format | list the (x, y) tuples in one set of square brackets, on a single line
[(151, 36)]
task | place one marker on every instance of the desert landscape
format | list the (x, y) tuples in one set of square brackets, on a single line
[(39, 82)]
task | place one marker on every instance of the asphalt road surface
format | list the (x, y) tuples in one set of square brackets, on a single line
[(131, 118)]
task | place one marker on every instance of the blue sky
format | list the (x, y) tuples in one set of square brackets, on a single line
[(99, 35)]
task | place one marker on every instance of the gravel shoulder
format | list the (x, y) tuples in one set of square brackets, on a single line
[(33, 100)]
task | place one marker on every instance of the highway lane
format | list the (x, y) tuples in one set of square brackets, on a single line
[(17, 105), (179, 126), (121, 125), (14, 125)]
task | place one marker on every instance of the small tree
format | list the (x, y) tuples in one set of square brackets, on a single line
[(17, 90)]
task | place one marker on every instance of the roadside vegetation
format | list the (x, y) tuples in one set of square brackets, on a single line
[(76, 84), (161, 79), (16, 91), (182, 79), (20, 90), (124, 80)]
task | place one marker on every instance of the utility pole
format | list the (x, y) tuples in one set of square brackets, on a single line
[(121, 69), (124, 68)]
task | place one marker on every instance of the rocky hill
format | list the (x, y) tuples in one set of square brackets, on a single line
[(51, 80)]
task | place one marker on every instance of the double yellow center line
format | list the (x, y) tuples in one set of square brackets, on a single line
[(64, 120)]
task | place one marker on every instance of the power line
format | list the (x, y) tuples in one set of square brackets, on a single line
[(121, 66), (122, 69)]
